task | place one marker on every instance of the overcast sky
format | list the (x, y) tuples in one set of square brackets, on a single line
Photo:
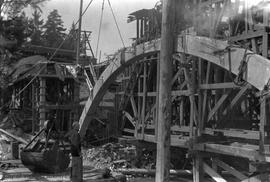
[(109, 39)]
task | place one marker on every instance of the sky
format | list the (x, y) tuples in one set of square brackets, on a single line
[(110, 41)]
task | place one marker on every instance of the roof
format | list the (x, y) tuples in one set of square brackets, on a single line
[(25, 65), (35, 65), (139, 14)]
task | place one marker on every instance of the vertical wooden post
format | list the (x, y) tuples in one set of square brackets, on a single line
[(262, 122), (197, 158), (157, 94), (142, 28), (76, 101), (164, 95), (144, 97), (42, 101), (79, 34), (33, 106), (181, 113), (200, 97), (138, 107), (138, 29), (265, 45)]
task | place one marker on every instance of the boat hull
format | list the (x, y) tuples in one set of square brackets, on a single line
[(47, 161)]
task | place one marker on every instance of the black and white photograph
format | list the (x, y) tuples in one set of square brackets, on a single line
[(135, 90)]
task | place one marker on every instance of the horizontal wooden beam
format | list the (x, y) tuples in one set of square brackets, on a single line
[(218, 86), (238, 150), (248, 35), (68, 106), (235, 133), (173, 93)]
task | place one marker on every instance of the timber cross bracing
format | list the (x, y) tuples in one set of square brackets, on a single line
[(215, 53), (220, 103), (211, 50)]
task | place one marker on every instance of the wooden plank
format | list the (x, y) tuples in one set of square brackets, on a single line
[(236, 98), (252, 179), (249, 35), (42, 102), (157, 101), (139, 108), (265, 45), (218, 86), (133, 105), (19, 139), (129, 117), (230, 169), (151, 172), (191, 96), (217, 106), (192, 100), (235, 133), (205, 93), (173, 93), (144, 96), (34, 102), (129, 130), (176, 76), (213, 174), (249, 152), (198, 172), (200, 97), (262, 123), (164, 95), (265, 16), (151, 111), (254, 45), (181, 112)]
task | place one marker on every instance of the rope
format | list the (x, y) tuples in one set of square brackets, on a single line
[(100, 23), (116, 24)]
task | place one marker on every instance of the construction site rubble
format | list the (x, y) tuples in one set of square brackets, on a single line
[(115, 156)]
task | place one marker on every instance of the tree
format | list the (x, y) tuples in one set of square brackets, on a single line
[(54, 32), (13, 8), (16, 29), (36, 28), (71, 39)]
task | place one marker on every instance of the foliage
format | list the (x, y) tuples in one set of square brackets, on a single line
[(71, 39), (13, 8), (35, 25), (54, 31)]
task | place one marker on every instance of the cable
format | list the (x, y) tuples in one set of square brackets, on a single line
[(116, 24), (100, 23)]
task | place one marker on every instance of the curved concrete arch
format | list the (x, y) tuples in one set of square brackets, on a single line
[(215, 51)]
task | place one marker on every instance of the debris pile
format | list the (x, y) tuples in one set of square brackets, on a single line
[(5, 150), (111, 155), (12, 129)]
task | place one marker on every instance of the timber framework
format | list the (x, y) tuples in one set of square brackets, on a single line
[(220, 87)]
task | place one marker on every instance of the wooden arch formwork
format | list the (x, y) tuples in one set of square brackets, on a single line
[(220, 104)]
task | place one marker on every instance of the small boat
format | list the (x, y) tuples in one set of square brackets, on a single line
[(45, 156)]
